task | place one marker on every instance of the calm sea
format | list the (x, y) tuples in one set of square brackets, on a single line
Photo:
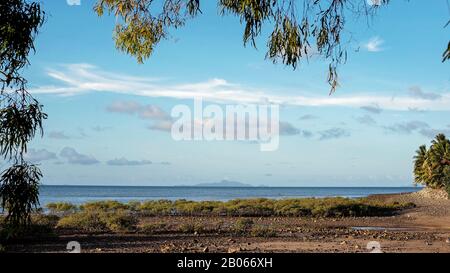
[(81, 194)]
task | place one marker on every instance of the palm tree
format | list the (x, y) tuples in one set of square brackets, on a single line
[(420, 165), (432, 166)]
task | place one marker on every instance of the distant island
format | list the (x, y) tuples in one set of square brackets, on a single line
[(223, 183)]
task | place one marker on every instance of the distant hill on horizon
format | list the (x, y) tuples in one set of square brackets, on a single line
[(223, 183)]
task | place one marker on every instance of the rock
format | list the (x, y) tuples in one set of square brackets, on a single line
[(447, 240), (206, 250), (343, 243), (356, 246), (234, 249)]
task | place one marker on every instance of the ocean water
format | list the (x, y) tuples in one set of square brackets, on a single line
[(82, 194)]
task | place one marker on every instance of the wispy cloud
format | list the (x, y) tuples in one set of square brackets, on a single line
[(287, 129), (34, 155), (407, 127), (81, 78), (416, 110), (163, 125), (416, 126), (73, 157), (308, 117), (151, 112), (367, 120), (161, 120), (374, 109), (58, 135), (374, 44), (333, 133), (431, 133), (73, 2), (124, 107), (416, 91), (99, 128), (125, 162)]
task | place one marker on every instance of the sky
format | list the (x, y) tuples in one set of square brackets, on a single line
[(108, 115)]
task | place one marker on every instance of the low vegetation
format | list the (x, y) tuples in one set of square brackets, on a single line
[(41, 225), (116, 217), (262, 231), (61, 208), (108, 205), (314, 207), (99, 221), (153, 228), (242, 226)]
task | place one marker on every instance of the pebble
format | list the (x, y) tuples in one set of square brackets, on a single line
[(234, 249), (447, 240), (205, 250)]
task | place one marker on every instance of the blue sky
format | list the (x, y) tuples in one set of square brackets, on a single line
[(105, 124)]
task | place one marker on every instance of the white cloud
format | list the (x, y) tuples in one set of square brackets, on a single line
[(165, 126), (407, 127), (333, 133), (73, 157), (58, 135), (374, 109), (34, 155), (374, 44), (73, 2), (127, 107), (99, 128), (125, 162), (416, 91), (367, 120), (82, 78)]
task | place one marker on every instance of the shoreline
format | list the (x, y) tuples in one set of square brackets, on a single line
[(424, 228), (82, 194)]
